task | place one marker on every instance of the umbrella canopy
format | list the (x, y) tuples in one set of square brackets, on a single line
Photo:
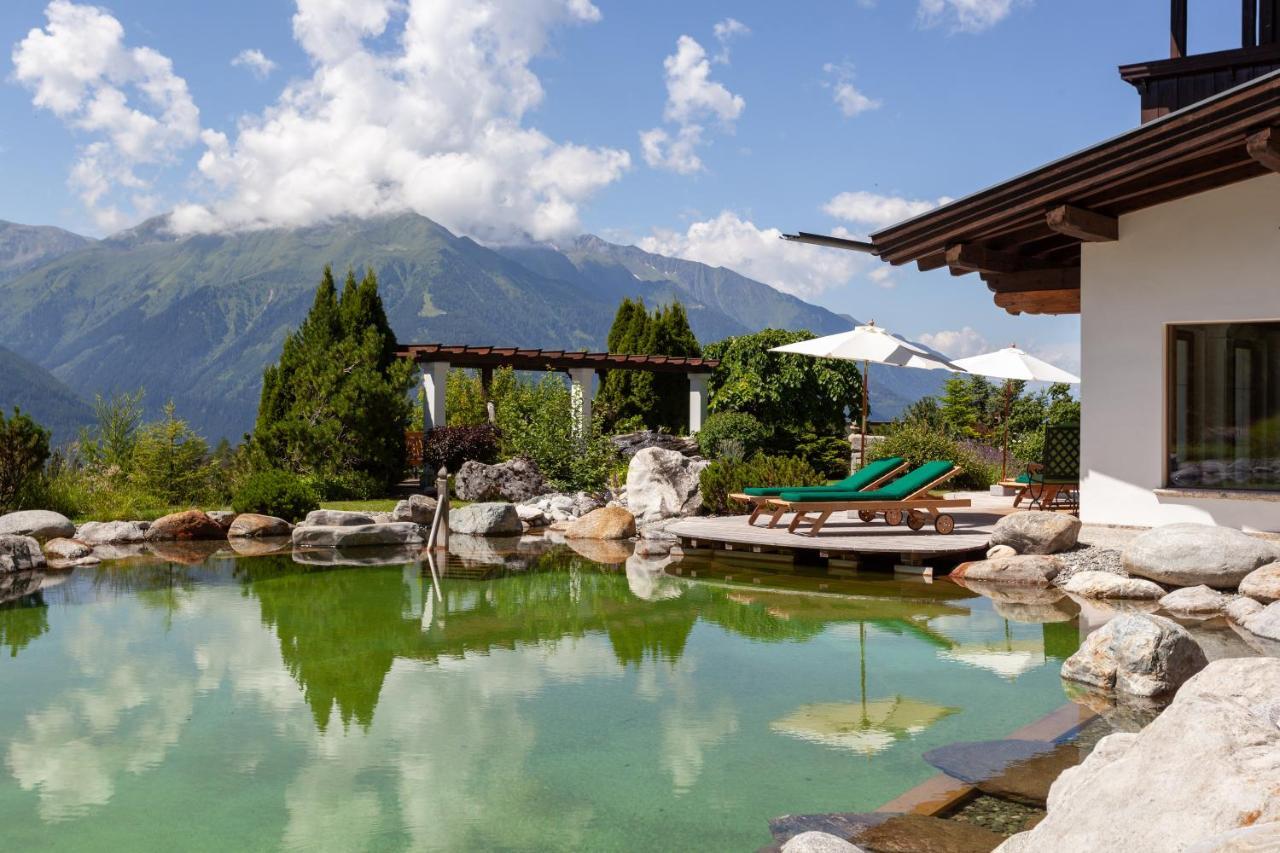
[(870, 343), (1013, 363), (867, 727)]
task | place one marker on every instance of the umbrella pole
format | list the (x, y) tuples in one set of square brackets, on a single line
[(1004, 452), (866, 378)]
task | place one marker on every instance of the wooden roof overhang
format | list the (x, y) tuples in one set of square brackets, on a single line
[(542, 359), (1023, 236)]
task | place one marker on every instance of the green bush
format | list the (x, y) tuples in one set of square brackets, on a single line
[(536, 421), (277, 493), (829, 455), (24, 447), (727, 476), (919, 444), (737, 432), (346, 485)]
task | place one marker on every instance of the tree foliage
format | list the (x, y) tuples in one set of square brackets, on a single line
[(336, 402), (633, 398), (171, 461), (24, 448)]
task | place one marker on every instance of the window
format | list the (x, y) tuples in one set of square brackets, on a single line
[(1224, 406)]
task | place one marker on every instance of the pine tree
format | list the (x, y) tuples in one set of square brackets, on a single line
[(670, 334), (632, 397)]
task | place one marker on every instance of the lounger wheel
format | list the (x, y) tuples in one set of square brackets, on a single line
[(916, 519), (893, 517), (944, 524), (866, 515)]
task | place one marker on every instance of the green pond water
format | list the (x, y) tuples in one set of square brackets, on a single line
[(539, 702)]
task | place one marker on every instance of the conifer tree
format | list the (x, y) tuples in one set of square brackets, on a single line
[(631, 397)]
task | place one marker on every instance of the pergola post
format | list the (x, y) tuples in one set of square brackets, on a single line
[(581, 393), (434, 376), (697, 401)]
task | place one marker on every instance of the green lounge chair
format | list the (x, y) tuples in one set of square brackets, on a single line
[(870, 476), (907, 496)]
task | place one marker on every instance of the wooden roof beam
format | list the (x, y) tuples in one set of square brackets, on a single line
[(1084, 225), (1040, 302), (1064, 278), (970, 257), (1264, 147)]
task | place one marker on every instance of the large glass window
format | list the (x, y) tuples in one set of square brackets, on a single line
[(1224, 406)]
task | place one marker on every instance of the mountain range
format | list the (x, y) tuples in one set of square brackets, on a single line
[(196, 318)]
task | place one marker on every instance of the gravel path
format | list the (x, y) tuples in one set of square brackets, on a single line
[(1089, 558)]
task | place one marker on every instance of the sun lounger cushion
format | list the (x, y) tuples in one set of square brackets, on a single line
[(899, 490), (857, 481)]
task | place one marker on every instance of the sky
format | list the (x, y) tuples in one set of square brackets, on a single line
[(694, 129)]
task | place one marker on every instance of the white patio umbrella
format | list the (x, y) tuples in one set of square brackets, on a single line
[(867, 344), (1013, 363)]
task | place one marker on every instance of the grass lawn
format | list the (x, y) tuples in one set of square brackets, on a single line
[(374, 505)]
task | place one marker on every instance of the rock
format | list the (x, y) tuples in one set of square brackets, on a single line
[(40, 524), (1194, 554), (604, 523), (532, 515), (514, 480), (66, 549), (1107, 585), (1031, 570), (1265, 623), (190, 525), (663, 484), (1262, 584), (419, 509), (1248, 839), (648, 580), (1000, 551), (631, 443), (356, 535), (383, 517), (1016, 770), (839, 824), (610, 552), (1239, 610), (1209, 764), (1142, 654), (486, 519), (20, 553), (336, 518), (1035, 532), (188, 552), (819, 842), (259, 547), (1194, 601), (251, 525), (16, 584), (111, 532), (359, 555), (914, 833), (654, 547), (222, 517)]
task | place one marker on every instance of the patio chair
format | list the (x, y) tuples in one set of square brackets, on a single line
[(869, 476), (905, 498), (1055, 481)]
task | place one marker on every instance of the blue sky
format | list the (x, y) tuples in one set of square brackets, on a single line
[(688, 128)]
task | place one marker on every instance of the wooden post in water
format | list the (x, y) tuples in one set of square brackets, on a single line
[(440, 530)]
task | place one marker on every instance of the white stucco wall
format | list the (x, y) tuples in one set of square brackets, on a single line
[(1211, 257)]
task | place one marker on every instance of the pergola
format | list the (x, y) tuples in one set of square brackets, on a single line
[(435, 361)]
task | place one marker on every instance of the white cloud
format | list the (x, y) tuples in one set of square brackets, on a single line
[(256, 61), (966, 16), (761, 254), (726, 31), (128, 99), (883, 277), (692, 98), (413, 105), (848, 97), (874, 211), (957, 343)]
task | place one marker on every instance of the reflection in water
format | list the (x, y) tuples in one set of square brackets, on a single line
[(543, 701)]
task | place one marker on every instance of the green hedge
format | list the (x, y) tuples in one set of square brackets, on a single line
[(919, 444), (734, 435), (277, 493), (727, 476)]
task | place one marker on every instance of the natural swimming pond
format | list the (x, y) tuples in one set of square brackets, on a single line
[(540, 701)]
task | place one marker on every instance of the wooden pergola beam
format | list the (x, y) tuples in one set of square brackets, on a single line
[(970, 257), (1085, 225), (1264, 147), (1062, 278), (1040, 302)]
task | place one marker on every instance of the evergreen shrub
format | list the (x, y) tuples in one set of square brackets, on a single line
[(274, 492), (727, 476)]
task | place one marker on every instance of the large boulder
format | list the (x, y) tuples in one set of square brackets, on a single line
[(1140, 655), (20, 553), (631, 443), (1108, 585), (420, 509), (514, 480), (66, 549), (1194, 554), (1209, 764), (1199, 601), (486, 519), (222, 517), (1027, 570), (1262, 584), (40, 524), (251, 525), (1264, 622), (608, 522), (819, 842), (663, 484), (356, 535), (189, 525), (1035, 532), (337, 518), (111, 532)]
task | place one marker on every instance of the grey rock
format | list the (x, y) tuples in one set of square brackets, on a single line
[(513, 480), (819, 842), (1035, 532), (1239, 610), (41, 524), (663, 484), (1000, 551), (383, 517), (23, 552), (1263, 583), (111, 532), (1106, 585), (486, 519), (532, 515), (420, 509), (337, 518), (1140, 654), (66, 549), (1028, 569), (1194, 554), (251, 525), (1265, 623), (631, 443), (221, 517), (356, 535), (15, 584), (1264, 838), (1195, 601)]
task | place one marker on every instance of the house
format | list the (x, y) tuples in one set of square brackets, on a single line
[(1166, 241)]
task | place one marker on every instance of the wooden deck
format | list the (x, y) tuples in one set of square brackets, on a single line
[(849, 541)]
